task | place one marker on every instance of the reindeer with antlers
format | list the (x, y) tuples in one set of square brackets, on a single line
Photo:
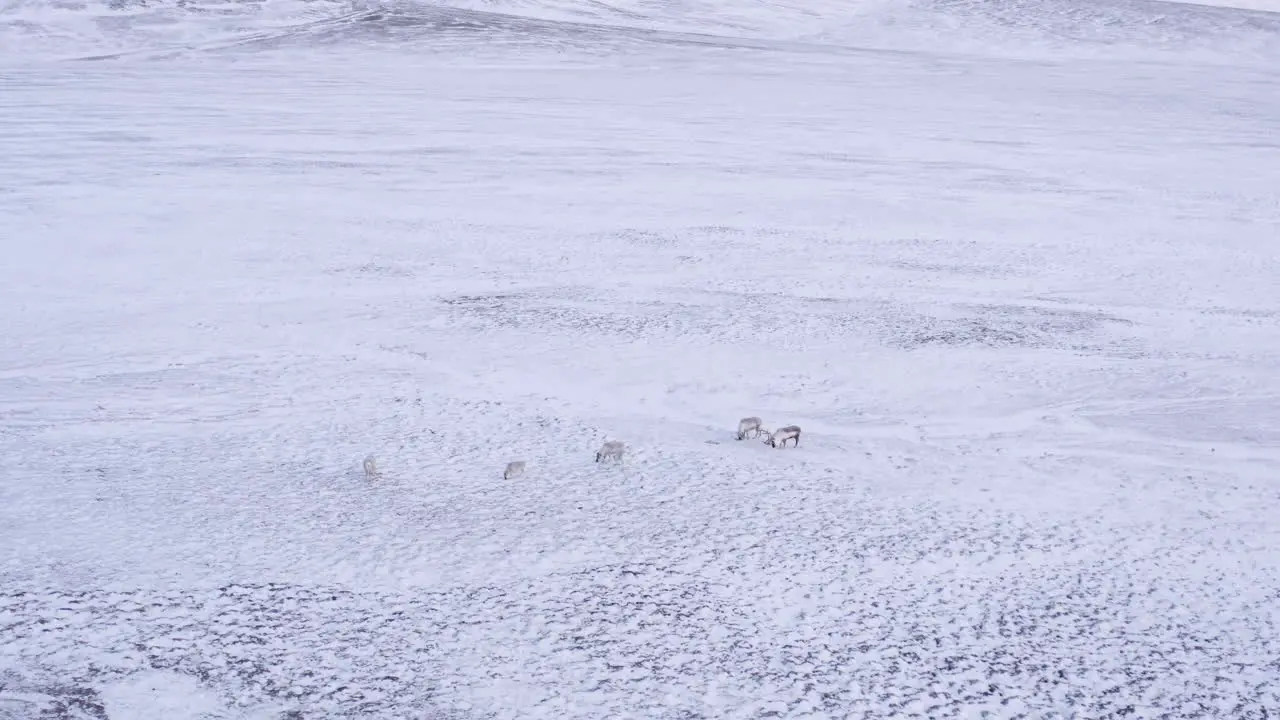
[(778, 438)]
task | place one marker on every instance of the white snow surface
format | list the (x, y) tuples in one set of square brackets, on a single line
[(1013, 267)]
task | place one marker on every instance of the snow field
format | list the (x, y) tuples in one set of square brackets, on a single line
[(1024, 312)]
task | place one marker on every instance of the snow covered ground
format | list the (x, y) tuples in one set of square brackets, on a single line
[(1012, 266)]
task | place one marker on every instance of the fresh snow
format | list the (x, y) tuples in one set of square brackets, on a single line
[(1012, 266)]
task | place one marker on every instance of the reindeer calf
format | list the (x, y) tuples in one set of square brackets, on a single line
[(750, 425), (611, 450), (370, 467), (779, 437)]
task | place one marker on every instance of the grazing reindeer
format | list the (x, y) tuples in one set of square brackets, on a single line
[(370, 467), (750, 425), (610, 450), (779, 437), (514, 468)]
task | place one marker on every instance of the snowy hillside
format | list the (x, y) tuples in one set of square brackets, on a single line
[(1134, 30), (1012, 267)]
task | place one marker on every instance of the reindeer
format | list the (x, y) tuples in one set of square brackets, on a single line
[(610, 450), (514, 469), (779, 437), (370, 467), (750, 425)]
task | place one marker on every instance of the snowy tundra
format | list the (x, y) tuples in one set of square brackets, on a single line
[(1012, 267)]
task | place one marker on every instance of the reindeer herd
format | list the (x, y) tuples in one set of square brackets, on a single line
[(615, 449), (753, 426), (777, 438)]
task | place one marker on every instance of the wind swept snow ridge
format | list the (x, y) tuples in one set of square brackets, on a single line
[(31, 29), (1107, 28), (1134, 29)]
